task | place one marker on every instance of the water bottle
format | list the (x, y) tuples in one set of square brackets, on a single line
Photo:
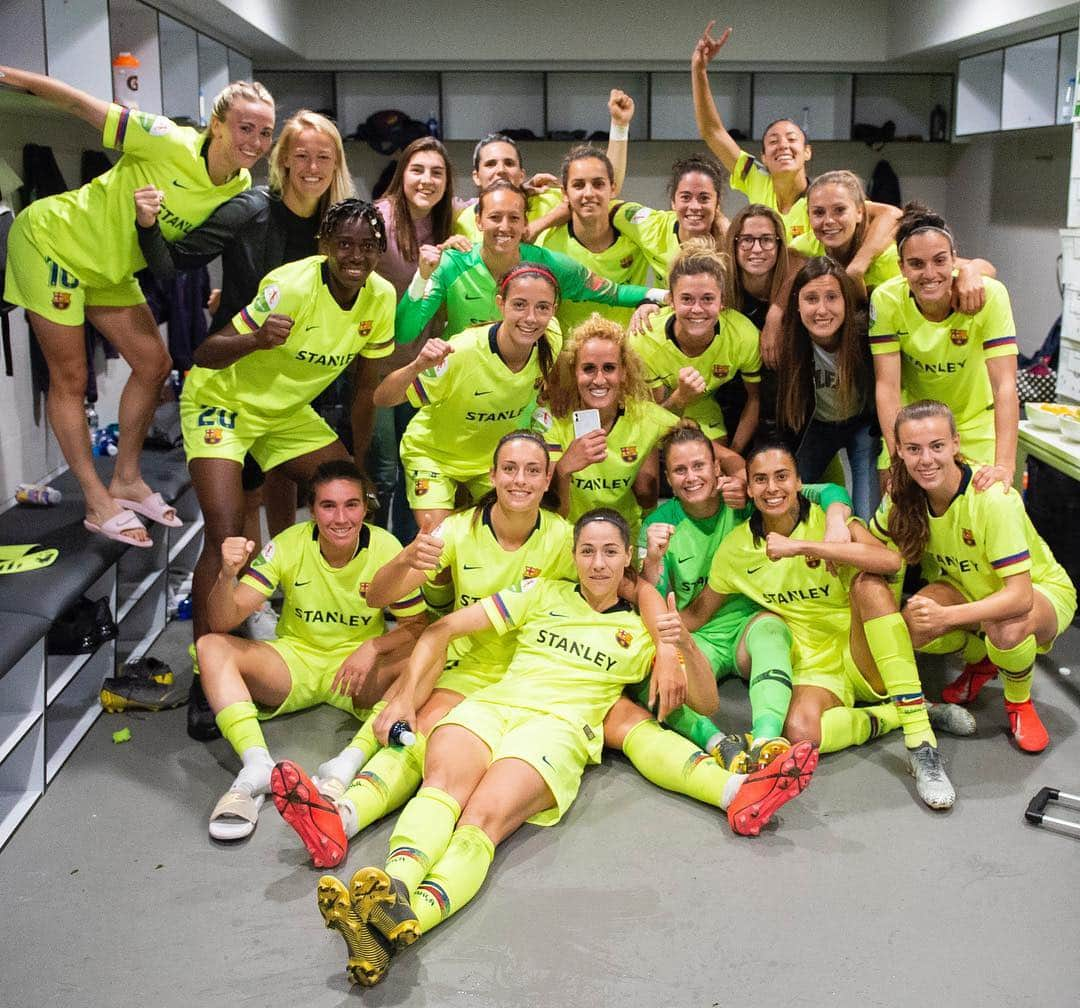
[(91, 418), (37, 493), (183, 609), (175, 383), (104, 442), (125, 69), (1067, 100), (401, 734)]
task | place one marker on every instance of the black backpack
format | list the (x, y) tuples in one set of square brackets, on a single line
[(885, 185)]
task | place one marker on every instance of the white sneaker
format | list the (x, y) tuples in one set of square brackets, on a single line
[(262, 623), (951, 719), (931, 781)]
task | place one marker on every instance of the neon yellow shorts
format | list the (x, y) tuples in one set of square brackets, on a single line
[(832, 667), (218, 431), (1062, 597), (430, 484), (550, 745), (312, 670), (38, 283), (467, 678)]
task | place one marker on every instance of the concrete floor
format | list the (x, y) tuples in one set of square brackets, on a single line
[(114, 895)]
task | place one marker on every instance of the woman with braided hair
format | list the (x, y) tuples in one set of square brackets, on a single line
[(255, 378)]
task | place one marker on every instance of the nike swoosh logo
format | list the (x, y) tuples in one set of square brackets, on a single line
[(310, 327), (488, 392), (473, 297), (557, 615), (753, 570), (548, 762), (300, 584), (474, 566), (684, 559), (179, 184)]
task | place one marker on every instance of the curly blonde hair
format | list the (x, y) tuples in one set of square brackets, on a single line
[(560, 389)]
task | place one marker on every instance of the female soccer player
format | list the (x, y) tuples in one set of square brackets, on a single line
[(696, 188), (700, 345), (332, 645), (508, 536), (253, 233), (73, 257), (923, 349), (588, 179), (988, 568), (851, 644), (472, 390), (256, 376), (677, 544), (466, 281), (828, 380), (515, 751), (598, 370)]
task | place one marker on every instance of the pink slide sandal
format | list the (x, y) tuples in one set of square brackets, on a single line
[(116, 527), (153, 506)]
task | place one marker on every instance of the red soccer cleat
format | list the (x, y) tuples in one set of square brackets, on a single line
[(965, 688), (765, 790), (315, 819), (1026, 727)]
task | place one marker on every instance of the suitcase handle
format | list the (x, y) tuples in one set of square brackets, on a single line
[(1037, 806)]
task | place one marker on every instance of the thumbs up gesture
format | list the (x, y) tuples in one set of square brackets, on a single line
[(669, 625)]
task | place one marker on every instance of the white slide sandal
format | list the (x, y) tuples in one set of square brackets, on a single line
[(235, 816)]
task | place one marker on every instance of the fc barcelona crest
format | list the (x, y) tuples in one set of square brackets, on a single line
[(60, 300), (626, 262), (531, 572), (212, 436), (813, 561), (628, 453), (364, 586), (623, 638), (421, 487), (968, 537), (720, 370), (959, 337), (364, 328)]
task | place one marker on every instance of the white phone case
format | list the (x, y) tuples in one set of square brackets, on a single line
[(586, 420)]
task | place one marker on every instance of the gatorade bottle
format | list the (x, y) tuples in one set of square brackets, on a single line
[(125, 68)]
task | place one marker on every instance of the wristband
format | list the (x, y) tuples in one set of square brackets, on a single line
[(618, 132), (417, 287)]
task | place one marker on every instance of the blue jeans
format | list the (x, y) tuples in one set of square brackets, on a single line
[(384, 467), (822, 440)]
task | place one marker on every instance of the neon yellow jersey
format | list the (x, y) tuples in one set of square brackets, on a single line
[(324, 340), (479, 567), (470, 401), (752, 178), (466, 222), (883, 267), (981, 539), (812, 601), (610, 483), (943, 360), (571, 661), (91, 233), (656, 232), (324, 606), (735, 351), (622, 261)]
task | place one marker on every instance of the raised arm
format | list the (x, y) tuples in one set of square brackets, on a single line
[(55, 92), (227, 346), (230, 602), (710, 125), (407, 571), (393, 388), (881, 222), (621, 107)]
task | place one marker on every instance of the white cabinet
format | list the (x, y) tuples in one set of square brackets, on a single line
[(239, 66), (179, 70), (978, 93), (362, 93), (1029, 84), (133, 28), (475, 104), (213, 74), (77, 44), (22, 34), (671, 112), (820, 103), (1066, 76), (294, 90)]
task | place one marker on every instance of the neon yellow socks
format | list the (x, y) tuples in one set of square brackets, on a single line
[(385, 784), (455, 878), (1016, 668), (674, 763), (421, 835), (890, 645), (768, 642), (842, 727), (239, 723)]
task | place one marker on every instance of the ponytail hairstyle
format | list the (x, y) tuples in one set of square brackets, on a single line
[(918, 217), (780, 269), (545, 352), (699, 256), (560, 390), (795, 399), (237, 91), (342, 469), (706, 164), (550, 499), (849, 182), (909, 517), (442, 214), (771, 441), (583, 152), (686, 431)]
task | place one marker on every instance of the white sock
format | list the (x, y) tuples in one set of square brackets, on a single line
[(255, 776), (344, 766), (731, 788), (348, 817)]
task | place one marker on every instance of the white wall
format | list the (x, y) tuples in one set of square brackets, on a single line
[(916, 26)]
